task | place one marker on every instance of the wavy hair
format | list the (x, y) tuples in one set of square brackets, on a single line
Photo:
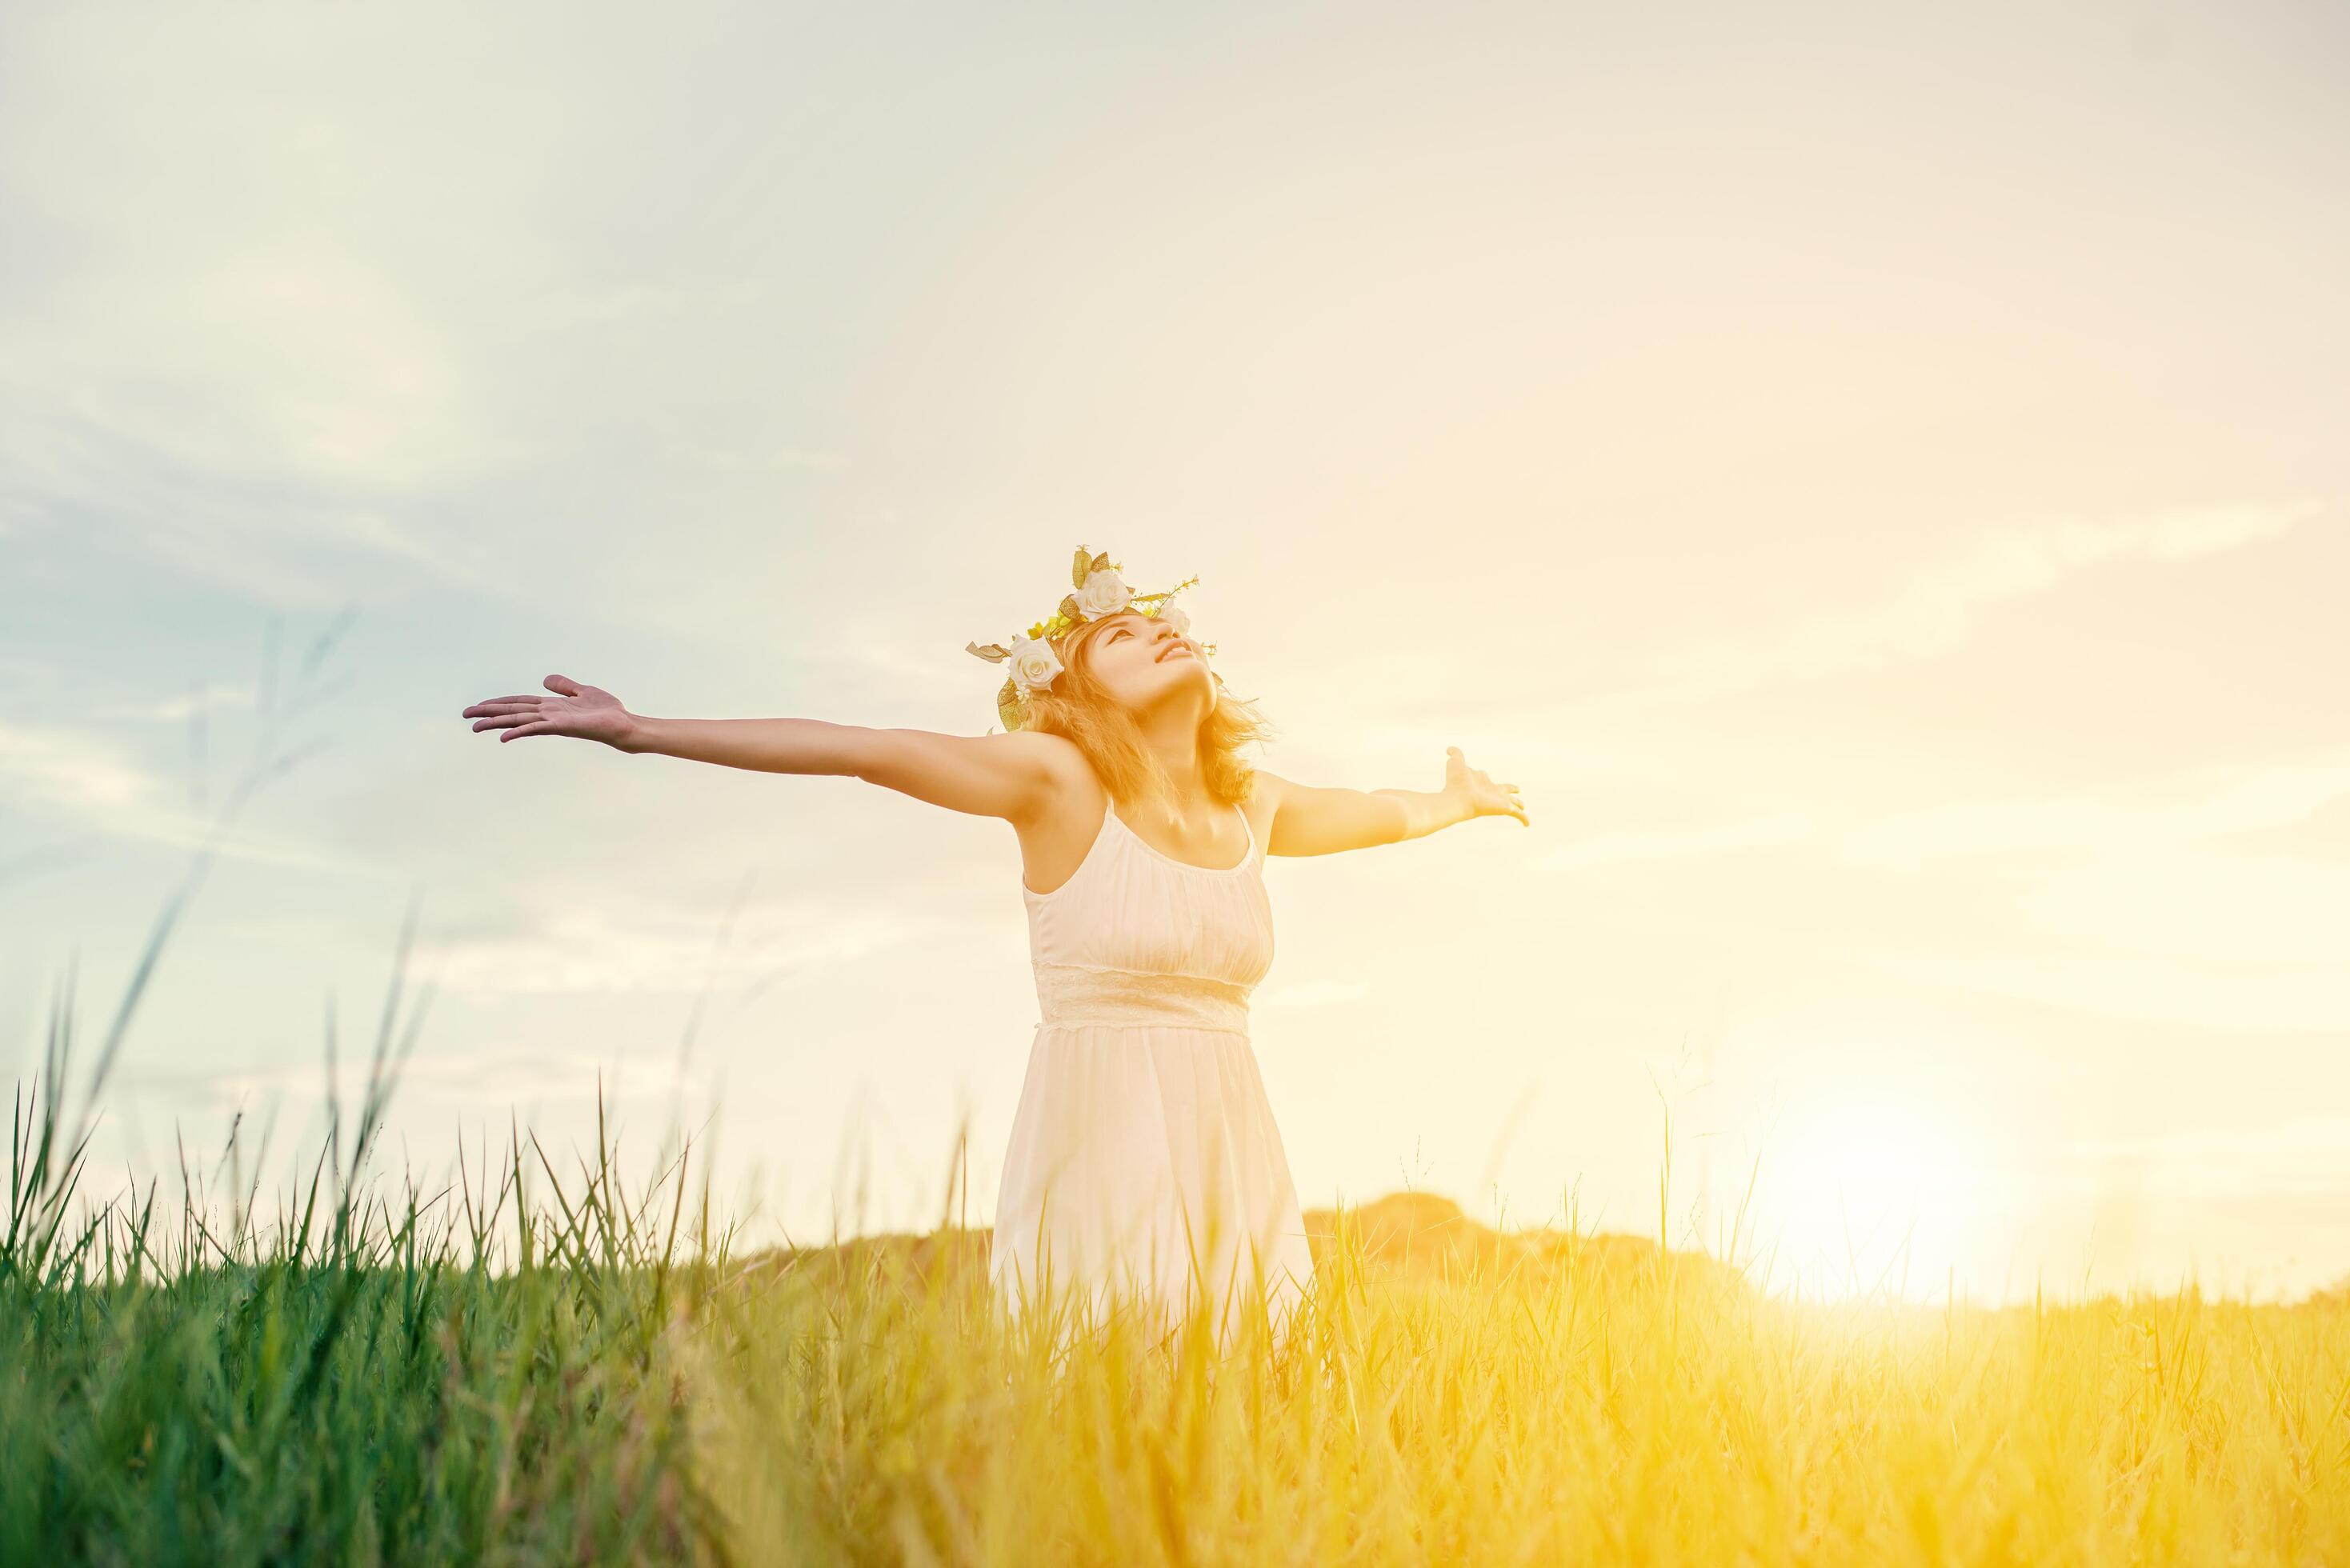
[(1082, 709)]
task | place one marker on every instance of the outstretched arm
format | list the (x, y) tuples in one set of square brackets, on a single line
[(1010, 776), (1307, 820)]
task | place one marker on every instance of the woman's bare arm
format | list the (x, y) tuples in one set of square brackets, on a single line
[(1011, 775), (1309, 820)]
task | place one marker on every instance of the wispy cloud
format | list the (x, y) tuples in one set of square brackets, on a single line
[(86, 782), (302, 363), (2152, 917), (1938, 606), (73, 773), (203, 698), (576, 951), (492, 1074), (2204, 802), (1939, 603)]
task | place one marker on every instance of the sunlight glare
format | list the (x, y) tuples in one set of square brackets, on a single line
[(1861, 1194)]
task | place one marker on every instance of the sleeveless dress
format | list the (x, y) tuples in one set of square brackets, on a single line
[(1144, 1168)]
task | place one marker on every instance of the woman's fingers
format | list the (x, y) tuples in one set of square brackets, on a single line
[(1503, 796), (525, 713)]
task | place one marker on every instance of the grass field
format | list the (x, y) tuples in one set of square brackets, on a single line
[(518, 1369)]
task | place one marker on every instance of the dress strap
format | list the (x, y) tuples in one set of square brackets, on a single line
[(1248, 833)]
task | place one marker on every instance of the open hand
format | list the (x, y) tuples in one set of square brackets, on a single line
[(1480, 794), (588, 712)]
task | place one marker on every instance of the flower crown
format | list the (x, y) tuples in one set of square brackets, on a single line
[(1099, 592)]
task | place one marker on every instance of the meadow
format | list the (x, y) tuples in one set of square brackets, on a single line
[(531, 1364)]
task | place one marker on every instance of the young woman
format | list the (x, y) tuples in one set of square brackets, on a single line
[(1144, 1168)]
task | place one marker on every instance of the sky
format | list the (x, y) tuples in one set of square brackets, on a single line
[(1872, 475)]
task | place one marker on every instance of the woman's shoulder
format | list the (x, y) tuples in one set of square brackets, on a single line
[(1264, 788), (1041, 744), (1060, 756), (1056, 755), (1075, 785)]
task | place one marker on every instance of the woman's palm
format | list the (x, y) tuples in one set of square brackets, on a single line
[(587, 712), (1485, 797)]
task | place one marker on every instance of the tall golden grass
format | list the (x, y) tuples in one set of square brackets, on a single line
[(521, 1365), (1469, 1399)]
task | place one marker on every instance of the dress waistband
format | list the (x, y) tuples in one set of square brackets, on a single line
[(1071, 993)]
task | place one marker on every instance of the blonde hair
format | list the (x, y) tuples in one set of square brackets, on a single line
[(1081, 708)]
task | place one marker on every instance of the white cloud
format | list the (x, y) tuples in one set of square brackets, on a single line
[(173, 709), (2203, 803), (2192, 934), (575, 949), (1936, 608), (487, 1072), (292, 362), (86, 782), (73, 773)]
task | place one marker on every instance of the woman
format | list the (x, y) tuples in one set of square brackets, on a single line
[(1144, 1167)]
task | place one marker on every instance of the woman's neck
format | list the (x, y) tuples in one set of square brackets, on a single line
[(1174, 740)]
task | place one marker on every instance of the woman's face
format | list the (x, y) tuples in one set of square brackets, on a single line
[(1145, 665)]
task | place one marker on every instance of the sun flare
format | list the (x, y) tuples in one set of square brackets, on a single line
[(1863, 1193)]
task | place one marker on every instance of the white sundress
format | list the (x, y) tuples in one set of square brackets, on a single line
[(1144, 1166)]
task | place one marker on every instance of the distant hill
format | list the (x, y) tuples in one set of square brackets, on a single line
[(1415, 1234), (2334, 1297), (1423, 1234)]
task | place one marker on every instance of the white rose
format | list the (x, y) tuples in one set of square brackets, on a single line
[(1177, 617), (1104, 593), (1032, 663)]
